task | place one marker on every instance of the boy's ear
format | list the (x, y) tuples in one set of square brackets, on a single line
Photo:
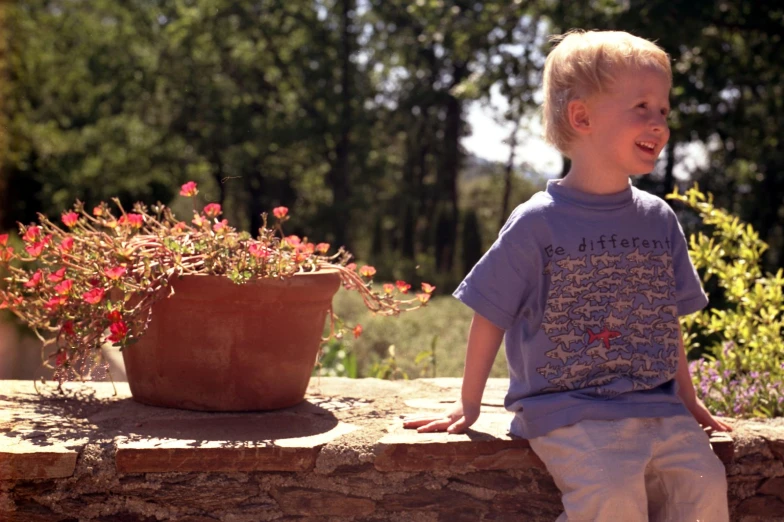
[(579, 117)]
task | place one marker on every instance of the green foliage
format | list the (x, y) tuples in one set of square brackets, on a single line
[(431, 340), (742, 337)]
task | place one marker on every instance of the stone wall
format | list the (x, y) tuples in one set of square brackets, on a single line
[(340, 455)]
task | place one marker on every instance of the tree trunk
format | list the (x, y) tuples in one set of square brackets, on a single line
[(340, 172), (508, 174), (450, 168)]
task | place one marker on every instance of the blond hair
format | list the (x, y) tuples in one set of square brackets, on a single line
[(585, 63)]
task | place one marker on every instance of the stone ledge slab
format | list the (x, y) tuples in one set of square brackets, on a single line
[(341, 455)]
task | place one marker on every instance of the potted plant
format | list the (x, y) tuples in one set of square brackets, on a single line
[(206, 317)]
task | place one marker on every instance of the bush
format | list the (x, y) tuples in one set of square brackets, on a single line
[(739, 366)]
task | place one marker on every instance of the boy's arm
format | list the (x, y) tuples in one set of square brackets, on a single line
[(484, 338), (689, 396)]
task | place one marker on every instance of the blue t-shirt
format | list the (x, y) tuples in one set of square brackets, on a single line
[(589, 289)]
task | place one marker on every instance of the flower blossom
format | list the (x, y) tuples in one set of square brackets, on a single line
[(389, 288), (114, 273), (367, 271), (70, 219), (66, 244), (258, 251), (57, 276), (280, 212), (132, 220), (428, 288), (189, 189), (64, 288), (221, 226), (32, 233), (212, 210), (118, 331), (357, 331), (35, 280), (93, 296), (322, 248), (403, 287), (3, 239)]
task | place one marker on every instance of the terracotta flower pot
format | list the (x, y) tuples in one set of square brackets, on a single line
[(218, 346)]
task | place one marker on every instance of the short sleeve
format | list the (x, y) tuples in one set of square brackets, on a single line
[(497, 286), (689, 295)]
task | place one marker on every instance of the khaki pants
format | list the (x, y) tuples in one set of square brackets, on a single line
[(634, 470)]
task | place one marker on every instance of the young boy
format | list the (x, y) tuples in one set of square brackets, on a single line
[(586, 281)]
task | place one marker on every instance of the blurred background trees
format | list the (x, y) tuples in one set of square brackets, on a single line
[(352, 112)]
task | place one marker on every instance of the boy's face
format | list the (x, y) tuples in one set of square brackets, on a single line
[(628, 123)]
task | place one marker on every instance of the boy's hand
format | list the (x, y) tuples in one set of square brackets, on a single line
[(456, 420), (705, 418)]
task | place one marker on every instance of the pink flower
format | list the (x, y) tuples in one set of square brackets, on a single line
[(428, 288), (389, 288), (114, 273), (132, 220), (35, 280), (70, 219), (221, 225), (367, 271), (66, 244), (322, 248), (280, 212), (93, 296), (3, 239), (212, 210), (258, 251), (36, 248), (199, 220), (292, 240), (64, 288), (55, 302), (403, 287), (189, 189), (357, 331), (32, 233), (423, 298), (56, 277)]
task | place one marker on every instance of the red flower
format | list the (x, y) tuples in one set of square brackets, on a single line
[(6, 254), (357, 331), (180, 226), (114, 316), (118, 331), (189, 189), (61, 359), (212, 210), (66, 244), (35, 280), (423, 298), (133, 220), (292, 240), (68, 328), (367, 271), (322, 248), (64, 288), (93, 296), (389, 288), (56, 277), (32, 233), (70, 219), (3, 239), (403, 287), (114, 273), (427, 288), (98, 211), (258, 251), (280, 212)]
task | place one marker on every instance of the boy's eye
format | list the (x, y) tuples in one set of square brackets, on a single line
[(642, 105)]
